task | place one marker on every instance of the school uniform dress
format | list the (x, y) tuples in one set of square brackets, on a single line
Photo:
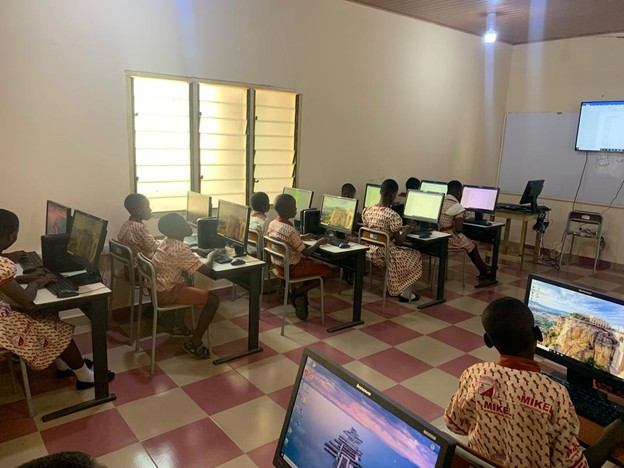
[(36, 337), (135, 235), (451, 209), (405, 266), (515, 415)]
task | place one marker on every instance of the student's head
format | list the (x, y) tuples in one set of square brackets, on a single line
[(389, 189), (412, 184), (510, 328), (9, 227), (138, 206), (260, 202), (286, 206), (64, 460), (175, 226), (455, 188), (348, 191)]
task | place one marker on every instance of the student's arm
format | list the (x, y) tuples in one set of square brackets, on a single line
[(25, 296), (458, 224), (400, 236), (310, 250), (14, 256), (611, 438)]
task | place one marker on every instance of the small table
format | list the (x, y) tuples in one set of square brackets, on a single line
[(435, 245), (524, 218)]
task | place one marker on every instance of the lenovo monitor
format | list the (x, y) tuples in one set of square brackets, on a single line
[(423, 206), (433, 186), (58, 218), (233, 225), (338, 213), (532, 190), (84, 245), (372, 195), (197, 206), (480, 199), (303, 199), (601, 127)]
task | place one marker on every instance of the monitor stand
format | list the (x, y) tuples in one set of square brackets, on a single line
[(88, 277), (478, 216), (239, 251)]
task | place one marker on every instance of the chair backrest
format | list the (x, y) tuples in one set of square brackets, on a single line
[(276, 249), (368, 236), (256, 240), (123, 254), (147, 276)]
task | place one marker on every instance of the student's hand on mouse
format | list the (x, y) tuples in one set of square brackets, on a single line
[(408, 229), (322, 241)]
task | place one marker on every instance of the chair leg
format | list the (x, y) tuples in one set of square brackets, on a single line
[(385, 287), (284, 307), (29, 402), (340, 282), (139, 314), (464, 270), (131, 338), (154, 325)]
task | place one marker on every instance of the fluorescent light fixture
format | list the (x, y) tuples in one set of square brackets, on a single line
[(490, 29), (489, 37)]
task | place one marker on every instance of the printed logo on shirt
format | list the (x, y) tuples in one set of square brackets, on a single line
[(535, 404), (487, 386), (497, 408)]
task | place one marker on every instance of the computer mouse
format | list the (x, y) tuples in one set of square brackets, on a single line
[(30, 270), (66, 293), (238, 261), (344, 245)]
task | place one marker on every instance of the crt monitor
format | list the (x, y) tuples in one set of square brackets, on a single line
[(372, 195), (582, 329), (336, 419), (86, 240), (303, 199), (197, 206), (433, 186), (423, 206), (233, 225), (338, 213), (58, 218), (532, 190), (479, 199), (601, 127)]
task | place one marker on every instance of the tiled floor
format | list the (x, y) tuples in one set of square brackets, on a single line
[(193, 413)]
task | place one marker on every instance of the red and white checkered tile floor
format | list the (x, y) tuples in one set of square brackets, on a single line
[(192, 413)]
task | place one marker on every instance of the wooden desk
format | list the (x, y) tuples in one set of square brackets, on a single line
[(437, 246), (524, 218)]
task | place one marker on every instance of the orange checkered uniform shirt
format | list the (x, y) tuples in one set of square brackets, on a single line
[(172, 258), (136, 235), (284, 231)]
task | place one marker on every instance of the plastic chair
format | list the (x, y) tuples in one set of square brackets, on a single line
[(575, 227), (367, 236), (255, 239), (276, 249), (122, 254), (24, 370), (147, 278)]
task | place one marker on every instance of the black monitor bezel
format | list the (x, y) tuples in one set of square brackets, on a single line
[(532, 191), (481, 210), (337, 228), (188, 199), (422, 219), (371, 185), (241, 247), (578, 372), (300, 209), (578, 127), (68, 218), (445, 441), (437, 182), (94, 266)]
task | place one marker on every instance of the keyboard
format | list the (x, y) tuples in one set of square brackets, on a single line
[(331, 240), (60, 284), (30, 260), (480, 222), (591, 404), (421, 232)]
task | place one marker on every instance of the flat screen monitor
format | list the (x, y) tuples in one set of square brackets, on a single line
[(86, 240), (338, 213), (335, 419), (233, 224), (423, 206), (197, 206), (532, 190), (303, 199), (582, 329), (601, 127), (479, 199), (58, 218), (433, 186), (372, 195)]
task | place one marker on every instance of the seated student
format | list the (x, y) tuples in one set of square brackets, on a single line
[(172, 258), (452, 220), (134, 233), (490, 405), (282, 229), (405, 266), (348, 191), (64, 460), (257, 218), (38, 338), (411, 184)]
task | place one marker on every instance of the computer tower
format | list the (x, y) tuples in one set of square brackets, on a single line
[(207, 237), (310, 221), (54, 254)]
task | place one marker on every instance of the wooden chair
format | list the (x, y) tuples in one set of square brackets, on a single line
[(367, 236), (9, 357), (122, 255)]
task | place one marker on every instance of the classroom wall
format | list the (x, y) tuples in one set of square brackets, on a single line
[(383, 95), (556, 76)]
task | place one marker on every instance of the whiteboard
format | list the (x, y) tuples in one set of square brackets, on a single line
[(541, 146)]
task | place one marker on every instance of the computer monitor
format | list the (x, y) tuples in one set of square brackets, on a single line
[(338, 213), (423, 206), (336, 419), (479, 199), (532, 190), (197, 206), (372, 195), (582, 329), (84, 245), (57, 218), (303, 199), (433, 186), (233, 225)]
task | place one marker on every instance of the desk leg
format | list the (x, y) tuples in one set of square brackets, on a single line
[(506, 237), (99, 326), (523, 234), (255, 278), (538, 246), (495, 249), (442, 266), (358, 285)]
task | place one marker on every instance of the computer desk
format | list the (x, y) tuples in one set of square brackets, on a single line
[(510, 215), (352, 258), (248, 276), (490, 235)]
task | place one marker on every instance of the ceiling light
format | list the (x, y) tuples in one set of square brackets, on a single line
[(490, 28), (489, 37)]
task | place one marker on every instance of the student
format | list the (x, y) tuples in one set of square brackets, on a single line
[(348, 191), (38, 338), (452, 220), (172, 258), (411, 184), (282, 229), (64, 460), (258, 219), (511, 412), (134, 233), (405, 266)]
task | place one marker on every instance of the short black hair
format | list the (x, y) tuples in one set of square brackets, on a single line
[(62, 460), (454, 186), (389, 186), (259, 201), (133, 202), (169, 223), (510, 325), (412, 183), (347, 188), (9, 222), (282, 201)]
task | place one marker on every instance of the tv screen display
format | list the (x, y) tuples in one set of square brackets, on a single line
[(601, 127)]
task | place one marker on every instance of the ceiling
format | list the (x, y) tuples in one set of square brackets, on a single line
[(517, 22)]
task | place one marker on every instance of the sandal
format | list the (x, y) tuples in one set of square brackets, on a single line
[(301, 307), (200, 350)]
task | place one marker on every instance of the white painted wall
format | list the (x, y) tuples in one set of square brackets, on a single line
[(383, 95)]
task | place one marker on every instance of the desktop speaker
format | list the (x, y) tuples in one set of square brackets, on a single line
[(310, 221), (54, 254), (207, 237)]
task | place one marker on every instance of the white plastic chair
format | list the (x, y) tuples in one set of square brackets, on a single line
[(122, 254), (367, 236), (24, 371)]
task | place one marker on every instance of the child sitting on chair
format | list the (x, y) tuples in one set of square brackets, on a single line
[(282, 229), (134, 233), (258, 219), (171, 259)]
